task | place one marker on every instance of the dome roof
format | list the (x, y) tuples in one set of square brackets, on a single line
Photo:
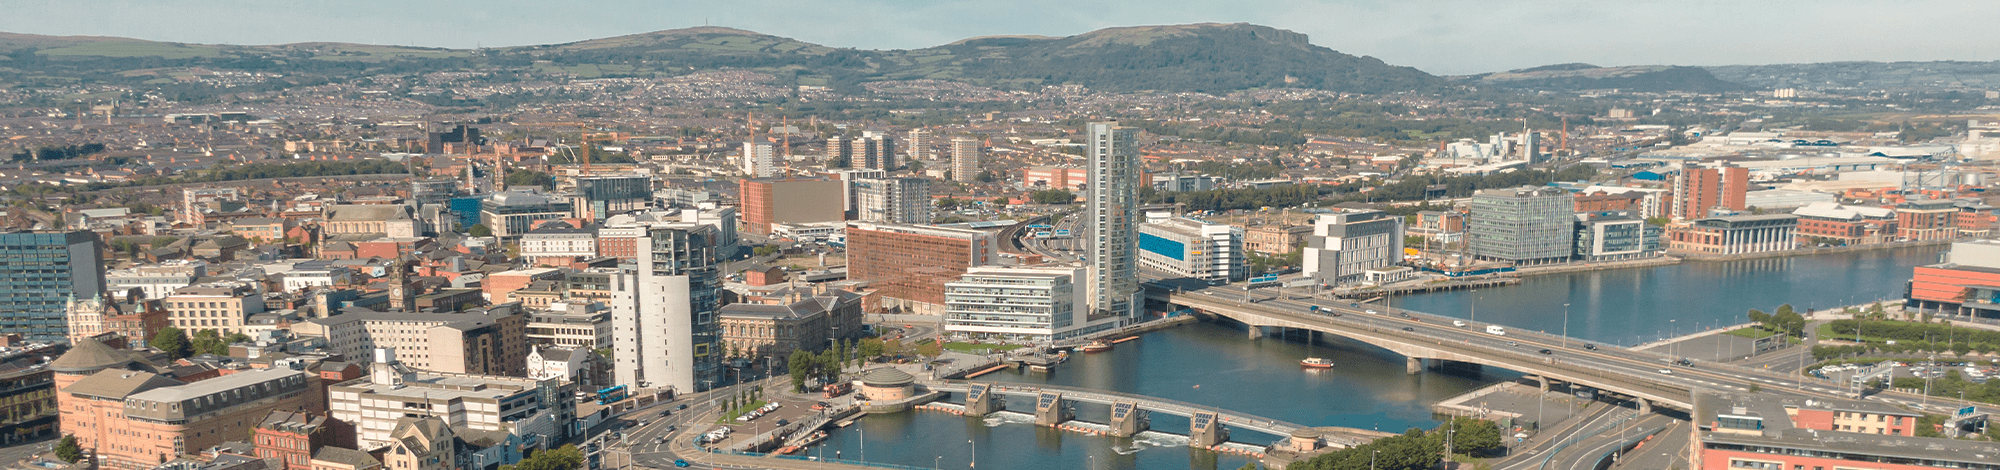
[(887, 377), (1307, 433), (89, 356)]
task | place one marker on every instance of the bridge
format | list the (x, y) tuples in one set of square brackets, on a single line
[(1648, 378)]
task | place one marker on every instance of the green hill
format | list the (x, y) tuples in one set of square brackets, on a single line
[(1571, 77)]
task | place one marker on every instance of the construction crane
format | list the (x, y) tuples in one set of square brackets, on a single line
[(584, 137)]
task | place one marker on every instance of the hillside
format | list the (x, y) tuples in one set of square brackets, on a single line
[(1215, 58), (1866, 75), (1571, 77)]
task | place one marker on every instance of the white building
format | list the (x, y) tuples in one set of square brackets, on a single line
[(1192, 248), (558, 242), (893, 200), (483, 402), (760, 159), (1110, 218), (848, 177), (552, 362), (1344, 245), (571, 324), (1018, 304), (157, 281), (316, 274), (665, 333)]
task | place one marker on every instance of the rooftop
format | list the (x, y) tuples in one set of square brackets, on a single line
[(1777, 430), (216, 385)]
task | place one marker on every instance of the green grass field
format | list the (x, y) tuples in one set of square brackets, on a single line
[(135, 49)]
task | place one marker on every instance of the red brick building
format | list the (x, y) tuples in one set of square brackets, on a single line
[(768, 201), (1926, 219), (1756, 431), (1835, 224), (1697, 190), (292, 438), (909, 264)]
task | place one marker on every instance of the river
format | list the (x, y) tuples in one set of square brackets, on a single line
[(1215, 364)]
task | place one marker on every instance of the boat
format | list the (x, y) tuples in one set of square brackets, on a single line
[(1317, 363), (1096, 346), (814, 438)]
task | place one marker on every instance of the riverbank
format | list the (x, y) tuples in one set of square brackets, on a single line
[(1597, 266), (1809, 251)]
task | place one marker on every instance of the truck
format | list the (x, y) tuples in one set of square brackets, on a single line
[(1496, 330)]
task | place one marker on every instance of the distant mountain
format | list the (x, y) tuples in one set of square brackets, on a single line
[(1865, 75), (1214, 58), (1572, 77)]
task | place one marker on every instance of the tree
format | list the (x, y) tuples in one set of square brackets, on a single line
[(766, 250), (1052, 196), (999, 203), (172, 341), (984, 177), (799, 365), (872, 347), (948, 203), (479, 230), (209, 342), (1760, 318), (566, 457), (1471, 436), (68, 451), (930, 349)]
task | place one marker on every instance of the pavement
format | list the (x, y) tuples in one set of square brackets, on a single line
[(15, 453), (1666, 450)]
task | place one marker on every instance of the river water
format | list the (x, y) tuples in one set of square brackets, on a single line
[(1216, 364)]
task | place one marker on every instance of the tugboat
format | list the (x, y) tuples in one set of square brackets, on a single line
[(1317, 363), (1097, 346)]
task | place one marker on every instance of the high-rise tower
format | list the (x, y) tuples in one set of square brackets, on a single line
[(665, 332), (964, 159), (1111, 217)]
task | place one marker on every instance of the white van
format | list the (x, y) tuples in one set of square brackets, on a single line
[(1496, 330), (1458, 323)]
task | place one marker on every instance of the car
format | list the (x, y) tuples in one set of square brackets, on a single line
[(782, 422), (1545, 351), (1511, 343), (680, 462), (1335, 312), (683, 407), (1371, 312), (659, 440), (1458, 323), (1667, 371), (1592, 347), (1354, 305), (1409, 329), (666, 413)]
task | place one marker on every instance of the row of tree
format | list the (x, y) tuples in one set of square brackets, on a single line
[(1419, 187), (1783, 321), (1912, 332), (177, 344), (1233, 199), (1415, 449), (62, 152), (567, 457)]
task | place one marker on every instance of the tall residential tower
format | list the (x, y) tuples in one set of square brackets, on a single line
[(665, 331), (1111, 215)]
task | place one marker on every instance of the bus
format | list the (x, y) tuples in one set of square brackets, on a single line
[(611, 395)]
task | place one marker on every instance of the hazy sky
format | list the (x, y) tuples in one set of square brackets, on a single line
[(1438, 36)]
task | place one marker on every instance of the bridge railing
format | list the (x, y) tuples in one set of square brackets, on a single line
[(1155, 403)]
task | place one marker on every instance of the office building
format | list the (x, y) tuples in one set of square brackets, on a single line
[(157, 281), (512, 213), (908, 265), (222, 307), (1066, 178), (1975, 218), (1442, 227), (1967, 282), (1019, 304), (768, 201), (1344, 245), (1525, 225), (198, 203), (760, 159), (129, 315), (1615, 235), (28, 395), (1926, 219), (136, 419), (874, 151), (598, 197), (40, 272), (965, 159), (1733, 235), (1834, 224), (1761, 431), (487, 342), (1181, 183), (575, 324), (893, 200), (797, 318), (544, 410), (558, 244), (1275, 239), (1110, 219), (1700, 190), (1184, 247), (665, 332)]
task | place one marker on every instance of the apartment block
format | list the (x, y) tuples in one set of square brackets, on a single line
[(222, 307), (487, 341), (1344, 245), (1018, 304)]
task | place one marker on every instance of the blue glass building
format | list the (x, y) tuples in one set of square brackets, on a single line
[(39, 273)]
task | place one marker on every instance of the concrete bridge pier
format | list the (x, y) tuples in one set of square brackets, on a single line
[(1544, 382), (1205, 430), (1128, 420), (980, 400), (1256, 332), (1644, 406), (1413, 365), (1051, 409)]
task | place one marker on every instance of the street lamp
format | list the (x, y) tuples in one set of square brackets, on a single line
[(1475, 306), (975, 454), (935, 460), (864, 443), (1565, 324), (1371, 459)]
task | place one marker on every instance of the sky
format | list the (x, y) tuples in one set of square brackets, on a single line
[(1446, 37)]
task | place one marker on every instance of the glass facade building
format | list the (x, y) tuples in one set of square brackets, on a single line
[(1525, 225), (39, 272)]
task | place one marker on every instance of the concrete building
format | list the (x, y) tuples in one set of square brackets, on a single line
[(920, 142), (28, 393), (318, 273), (1442, 227), (760, 159), (893, 200), (665, 333), (1192, 248), (222, 307), (799, 318), (512, 213), (909, 264), (1525, 225), (965, 159), (1020, 304), (1180, 183), (488, 341), (157, 281), (45, 270), (1066, 178), (1700, 190), (848, 177), (543, 410), (385, 219), (560, 363), (1834, 224), (1742, 234), (197, 203), (579, 324), (768, 201), (1275, 239), (1344, 245), (1615, 235), (1757, 431), (875, 151), (1110, 219), (558, 244)]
